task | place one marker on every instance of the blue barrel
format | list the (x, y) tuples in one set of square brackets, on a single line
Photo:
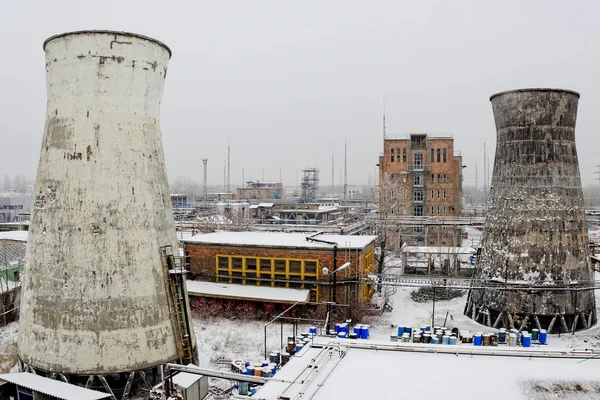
[(445, 339), (250, 370), (434, 340), (502, 336), (313, 330), (337, 328), (408, 330), (400, 331), (344, 328), (477, 339), (273, 367), (452, 340), (526, 340), (252, 391), (299, 346), (357, 330), (246, 363), (274, 357), (364, 332), (543, 335)]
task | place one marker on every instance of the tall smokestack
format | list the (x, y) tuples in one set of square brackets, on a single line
[(535, 232), (94, 299)]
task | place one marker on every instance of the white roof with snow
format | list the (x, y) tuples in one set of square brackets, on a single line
[(430, 372), (247, 292), (19, 236), (185, 380), (438, 250), (50, 387), (282, 239)]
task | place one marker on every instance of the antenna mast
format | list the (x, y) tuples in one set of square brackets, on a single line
[(345, 168), (228, 168), (205, 183)]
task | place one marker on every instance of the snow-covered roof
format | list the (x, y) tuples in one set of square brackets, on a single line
[(185, 380), (50, 387), (438, 250), (247, 292), (18, 236), (363, 371), (320, 210), (281, 239)]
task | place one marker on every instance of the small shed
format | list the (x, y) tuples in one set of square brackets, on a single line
[(191, 386), (25, 385)]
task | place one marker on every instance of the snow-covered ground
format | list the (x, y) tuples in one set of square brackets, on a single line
[(220, 340)]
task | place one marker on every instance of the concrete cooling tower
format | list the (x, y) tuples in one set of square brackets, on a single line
[(95, 293), (535, 256)]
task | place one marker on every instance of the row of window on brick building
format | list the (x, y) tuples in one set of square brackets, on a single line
[(437, 155), (417, 194), (418, 210), (418, 178)]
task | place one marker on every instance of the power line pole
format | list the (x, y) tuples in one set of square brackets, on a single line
[(332, 174), (205, 183), (228, 169), (345, 168), (484, 171)]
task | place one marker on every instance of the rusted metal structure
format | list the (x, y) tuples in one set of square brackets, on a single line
[(535, 234), (96, 285)]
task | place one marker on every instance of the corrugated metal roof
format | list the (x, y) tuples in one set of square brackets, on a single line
[(52, 388), (12, 255)]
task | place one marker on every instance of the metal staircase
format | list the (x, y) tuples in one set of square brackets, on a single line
[(174, 269)]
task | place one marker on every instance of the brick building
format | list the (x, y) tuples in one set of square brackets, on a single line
[(256, 190), (282, 260), (421, 176)]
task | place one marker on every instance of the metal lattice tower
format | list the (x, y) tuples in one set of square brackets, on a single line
[(310, 184)]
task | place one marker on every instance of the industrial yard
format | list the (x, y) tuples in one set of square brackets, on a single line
[(337, 202)]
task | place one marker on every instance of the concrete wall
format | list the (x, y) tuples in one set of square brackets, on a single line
[(93, 297), (536, 231)]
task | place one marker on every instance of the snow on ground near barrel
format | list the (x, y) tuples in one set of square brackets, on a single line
[(220, 340)]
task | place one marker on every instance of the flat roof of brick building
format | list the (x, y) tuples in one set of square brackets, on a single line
[(282, 239)]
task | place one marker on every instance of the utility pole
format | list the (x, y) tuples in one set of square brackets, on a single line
[(228, 169), (484, 172), (332, 174), (205, 183), (345, 168)]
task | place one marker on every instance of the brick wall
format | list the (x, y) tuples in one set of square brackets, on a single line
[(202, 258)]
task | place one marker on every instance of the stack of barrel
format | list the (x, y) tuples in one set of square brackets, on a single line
[(342, 331), (424, 334)]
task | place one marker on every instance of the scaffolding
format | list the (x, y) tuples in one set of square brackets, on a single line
[(310, 184)]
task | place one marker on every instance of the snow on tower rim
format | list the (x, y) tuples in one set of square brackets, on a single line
[(107, 32), (535, 90)]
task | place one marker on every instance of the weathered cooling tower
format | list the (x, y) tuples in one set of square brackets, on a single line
[(535, 253), (94, 297)]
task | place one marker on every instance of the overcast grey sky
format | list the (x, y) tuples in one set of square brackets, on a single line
[(285, 81)]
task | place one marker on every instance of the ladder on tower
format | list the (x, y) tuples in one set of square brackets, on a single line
[(173, 273)]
